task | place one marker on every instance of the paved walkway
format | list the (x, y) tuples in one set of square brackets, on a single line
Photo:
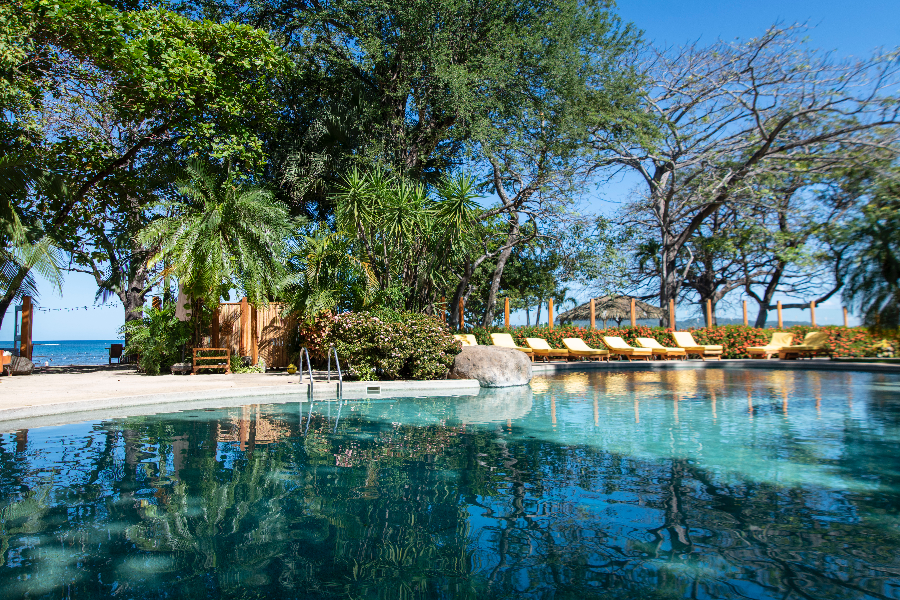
[(74, 384)]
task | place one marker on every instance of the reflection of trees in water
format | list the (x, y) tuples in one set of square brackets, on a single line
[(399, 511)]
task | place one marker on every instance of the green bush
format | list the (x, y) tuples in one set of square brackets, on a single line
[(158, 338), (383, 345)]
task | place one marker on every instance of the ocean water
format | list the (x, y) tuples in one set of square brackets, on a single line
[(619, 485), (70, 352)]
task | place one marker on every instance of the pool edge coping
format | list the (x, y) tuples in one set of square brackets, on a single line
[(209, 398)]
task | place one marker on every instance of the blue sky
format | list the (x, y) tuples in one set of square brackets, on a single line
[(846, 28)]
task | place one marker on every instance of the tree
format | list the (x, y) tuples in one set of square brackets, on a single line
[(734, 111), (115, 101), (872, 271), (220, 235), (409, 238)]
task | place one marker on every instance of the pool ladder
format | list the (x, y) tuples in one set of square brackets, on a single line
[(333, 350), (304, 351)]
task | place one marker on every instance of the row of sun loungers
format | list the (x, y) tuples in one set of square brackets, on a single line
[(813, 344), (615, 346)]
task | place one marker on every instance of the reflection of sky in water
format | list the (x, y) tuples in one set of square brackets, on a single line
[(680, 483)]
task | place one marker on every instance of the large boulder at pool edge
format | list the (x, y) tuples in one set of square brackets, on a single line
[(492, 366)]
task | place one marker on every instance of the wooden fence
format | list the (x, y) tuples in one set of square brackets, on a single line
[(257, 332)]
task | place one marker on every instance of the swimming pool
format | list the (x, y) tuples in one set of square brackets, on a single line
[(706, 484)]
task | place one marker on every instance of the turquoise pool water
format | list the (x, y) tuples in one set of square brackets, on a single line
[(686, 484)]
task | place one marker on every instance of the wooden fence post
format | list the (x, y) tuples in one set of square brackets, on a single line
[(550, 311), (780, 320), (812, 313), (709, 315), (593, 315), (462, 316), (506, 313), (672, 313), (846, 321), (245, 327), (746, 322), (633, 320), (214, 334), (254, 336), (26, 348)]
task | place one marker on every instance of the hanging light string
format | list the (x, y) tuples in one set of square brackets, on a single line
[(71, 308)]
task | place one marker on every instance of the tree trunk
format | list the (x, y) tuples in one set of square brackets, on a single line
[(766, 300), (495, 282), (453, 309), (537, 315), (527, 316), (10, 294)]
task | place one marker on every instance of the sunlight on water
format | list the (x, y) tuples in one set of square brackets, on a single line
[(674, 484)]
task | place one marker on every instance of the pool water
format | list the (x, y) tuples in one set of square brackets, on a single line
[(684, 484)]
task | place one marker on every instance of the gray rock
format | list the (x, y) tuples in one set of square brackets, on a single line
[(495, 405), (492, 366), (21, 366), (184, 367)]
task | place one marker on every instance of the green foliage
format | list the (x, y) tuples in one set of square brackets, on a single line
[(325, 274), (383, 345), (159, 338), (221, 235), (873, 272), (408, 239), (237, 366)]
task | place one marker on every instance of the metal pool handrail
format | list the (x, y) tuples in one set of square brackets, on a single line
[(340, 376), (303, 351)]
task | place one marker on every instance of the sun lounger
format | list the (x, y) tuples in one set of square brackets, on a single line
[(779, 340), (579, 349), (661, 351), (467, 339), (620, 347), (813, 344), (542, 349), (506, 341), (684, 339)]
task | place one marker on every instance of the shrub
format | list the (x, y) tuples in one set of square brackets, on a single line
[(159, 338), (383, 345)]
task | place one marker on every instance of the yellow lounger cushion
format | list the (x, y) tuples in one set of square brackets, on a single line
[(653, 344), (540, 346), (467, 339), (577, 346), (506, 341), (779, 340), (617, 344), (684, 339)]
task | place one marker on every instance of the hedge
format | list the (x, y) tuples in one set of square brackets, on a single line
[(383, 345), (842, 341)]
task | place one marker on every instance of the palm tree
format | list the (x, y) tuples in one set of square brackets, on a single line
[(220, 235), (25, 251), (328, 275)]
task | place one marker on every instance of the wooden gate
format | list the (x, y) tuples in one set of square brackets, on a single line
[(257, 332)]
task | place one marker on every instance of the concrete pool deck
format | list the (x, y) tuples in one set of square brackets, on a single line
[(66, 390), (119, 391)]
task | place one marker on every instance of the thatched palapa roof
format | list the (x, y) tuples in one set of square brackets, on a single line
[(612, 308)]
